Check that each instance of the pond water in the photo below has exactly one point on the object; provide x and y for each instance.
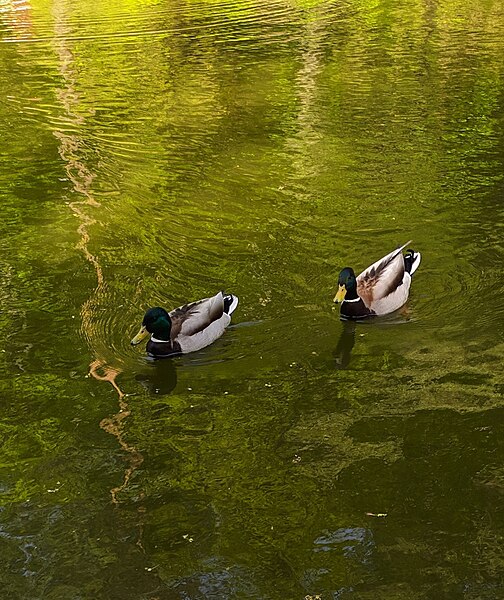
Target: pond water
(153, 152)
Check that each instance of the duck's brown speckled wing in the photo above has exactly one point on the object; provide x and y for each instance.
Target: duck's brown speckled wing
(384, 286)
(193, 318)
(199, 324)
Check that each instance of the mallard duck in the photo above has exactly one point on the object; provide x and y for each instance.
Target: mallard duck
(188, 328)
(379, 290)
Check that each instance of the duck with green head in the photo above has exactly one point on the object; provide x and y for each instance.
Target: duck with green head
(187, 328)
(380, 289)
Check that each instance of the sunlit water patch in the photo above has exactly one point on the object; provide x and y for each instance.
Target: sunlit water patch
(156, 153)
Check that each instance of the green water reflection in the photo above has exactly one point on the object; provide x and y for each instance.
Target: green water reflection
(154, 152)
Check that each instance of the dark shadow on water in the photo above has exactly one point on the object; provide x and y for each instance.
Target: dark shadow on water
(345, 345)
(346, 342)
(159, 377)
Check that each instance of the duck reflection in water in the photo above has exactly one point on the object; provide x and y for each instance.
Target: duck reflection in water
(159, 377)
(345, 345)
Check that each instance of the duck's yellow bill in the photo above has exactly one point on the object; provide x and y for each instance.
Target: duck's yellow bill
(141, 335)
(340, 294)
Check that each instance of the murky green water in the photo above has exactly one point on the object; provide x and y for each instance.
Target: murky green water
(153, 152)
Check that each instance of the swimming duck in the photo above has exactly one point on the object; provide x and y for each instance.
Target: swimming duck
(379, 290)
(187, 328)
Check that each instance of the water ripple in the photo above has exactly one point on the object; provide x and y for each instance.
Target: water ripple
(225, 22)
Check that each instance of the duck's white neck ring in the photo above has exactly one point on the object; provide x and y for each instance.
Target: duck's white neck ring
(153, 339)
(352, 300)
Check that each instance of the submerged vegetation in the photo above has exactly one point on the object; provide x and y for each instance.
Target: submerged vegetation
(153, 153)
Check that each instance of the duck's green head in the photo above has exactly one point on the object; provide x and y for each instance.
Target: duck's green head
(347, 285)
(156, 321)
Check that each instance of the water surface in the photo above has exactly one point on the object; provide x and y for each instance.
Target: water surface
(154, 152)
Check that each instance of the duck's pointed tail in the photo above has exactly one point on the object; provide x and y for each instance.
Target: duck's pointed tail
(230, 303)
(412, 261)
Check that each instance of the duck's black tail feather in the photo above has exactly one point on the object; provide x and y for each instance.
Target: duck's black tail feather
(230, 303)
(412, 261)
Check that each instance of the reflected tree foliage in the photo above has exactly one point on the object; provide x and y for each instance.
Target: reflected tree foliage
(153, 153)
